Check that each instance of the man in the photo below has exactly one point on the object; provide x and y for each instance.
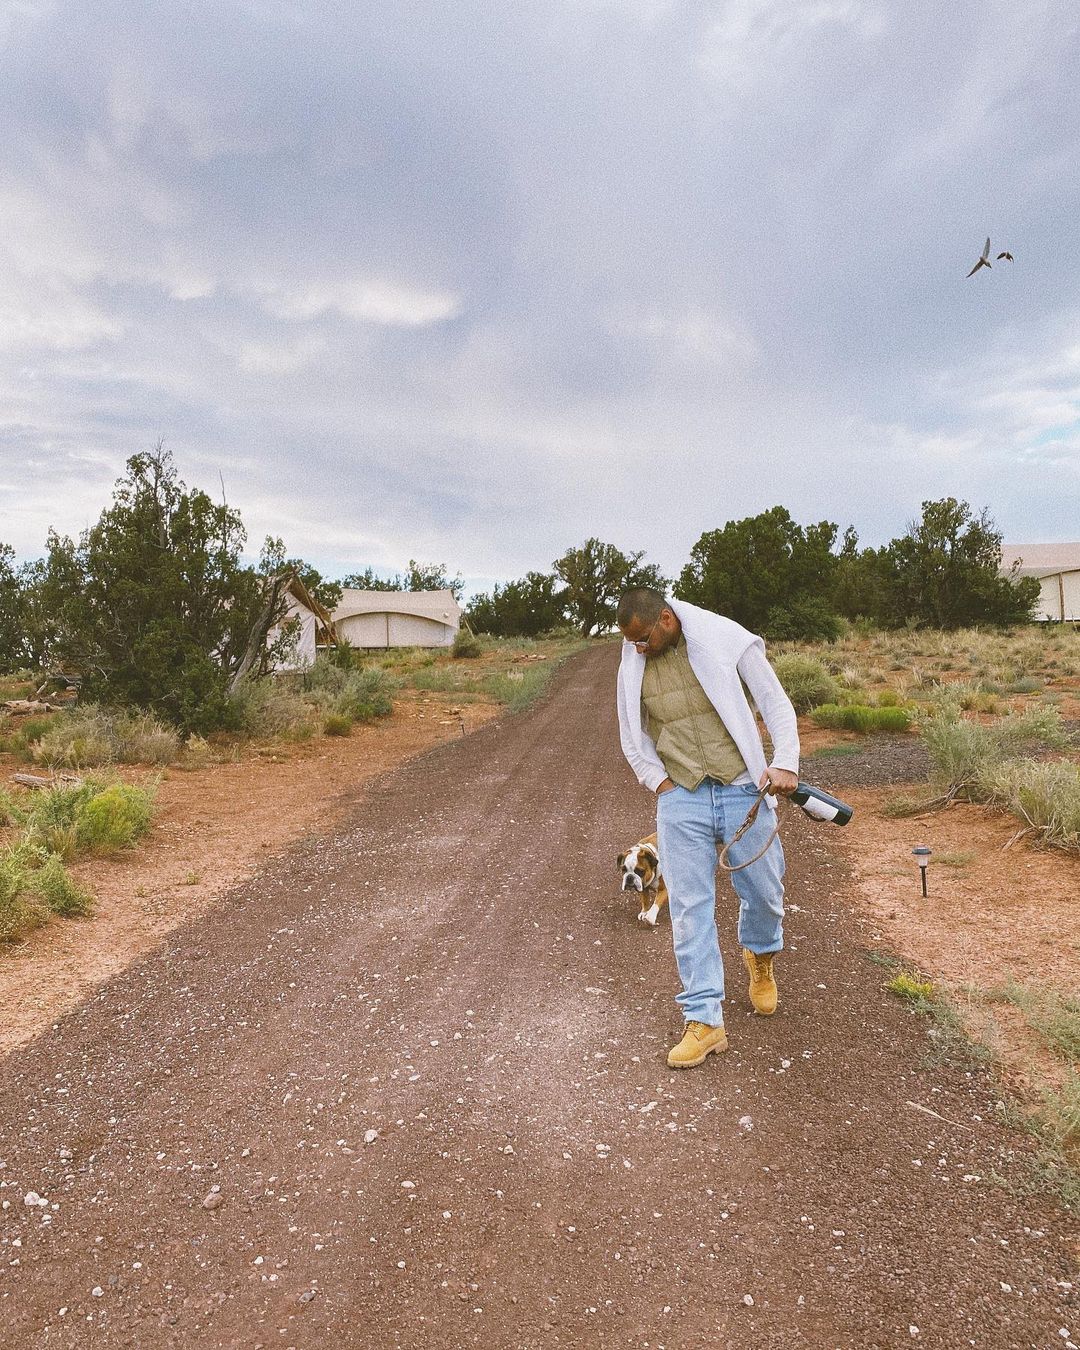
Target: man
(690, 735)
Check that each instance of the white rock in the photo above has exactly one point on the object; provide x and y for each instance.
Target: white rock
(748, 1299)
(746, 1123)
(97, 1291)
(408, 1185)
(370, 1136)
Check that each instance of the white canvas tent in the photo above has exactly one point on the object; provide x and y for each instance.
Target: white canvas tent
(1057, 569)
(314, 628)
(397, 618)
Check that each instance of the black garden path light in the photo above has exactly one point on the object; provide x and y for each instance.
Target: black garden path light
(922, 857)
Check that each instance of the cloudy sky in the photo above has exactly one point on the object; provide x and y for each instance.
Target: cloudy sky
(472, 282)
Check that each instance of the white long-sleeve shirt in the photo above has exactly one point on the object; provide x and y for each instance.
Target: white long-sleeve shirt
(722, 655)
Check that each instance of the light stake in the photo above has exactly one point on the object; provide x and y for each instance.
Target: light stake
(922, 857)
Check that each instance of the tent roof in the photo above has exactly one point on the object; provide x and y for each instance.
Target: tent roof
(1041, 560)
(438, 605)
(303, 596)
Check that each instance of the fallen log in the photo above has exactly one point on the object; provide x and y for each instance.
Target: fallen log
(35, 780)
(21, 707)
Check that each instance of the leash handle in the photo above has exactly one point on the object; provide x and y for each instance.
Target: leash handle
(751, 816)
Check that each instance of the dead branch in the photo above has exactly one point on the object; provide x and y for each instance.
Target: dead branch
(34, 780)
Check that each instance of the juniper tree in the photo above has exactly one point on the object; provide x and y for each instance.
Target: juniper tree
(595, 575)
(521, 608)
(153, 604)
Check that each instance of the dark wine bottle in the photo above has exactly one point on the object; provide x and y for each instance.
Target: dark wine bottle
(819, 805)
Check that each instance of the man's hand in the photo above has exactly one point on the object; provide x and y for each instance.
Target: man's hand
(781, 781)
(665, 786)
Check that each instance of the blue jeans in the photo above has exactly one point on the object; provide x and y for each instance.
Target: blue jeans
(690, 825)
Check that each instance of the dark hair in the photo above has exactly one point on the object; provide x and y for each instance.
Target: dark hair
(642, 603)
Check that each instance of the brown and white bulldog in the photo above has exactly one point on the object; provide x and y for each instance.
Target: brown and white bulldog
(640, 868)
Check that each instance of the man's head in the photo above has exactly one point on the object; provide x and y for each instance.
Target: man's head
(647, 620)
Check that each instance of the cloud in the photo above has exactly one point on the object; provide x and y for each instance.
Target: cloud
(462, 282)
(398, 304)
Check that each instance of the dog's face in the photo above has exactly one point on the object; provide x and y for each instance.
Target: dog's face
(639, 868)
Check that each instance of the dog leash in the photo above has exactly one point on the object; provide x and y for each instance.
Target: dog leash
(751, 816)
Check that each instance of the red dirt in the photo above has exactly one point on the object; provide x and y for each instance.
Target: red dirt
(213, 827)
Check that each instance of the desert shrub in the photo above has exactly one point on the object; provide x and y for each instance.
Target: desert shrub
(52, 822)
(1026, 684)
(141, 739)
(198, 753)
(466, 645)
(342, 654)
(78, 741)
(366, 694)
(114, 818)
(805, 680)
(337, 724)
(326, 675)
(20, 909)
(964, 754)
(89, 736)
(11, 813)
(22, 735)
(859, 717)
(850, 676)
(270, 708)
(1046, 794)
(55, 886)
(888, 698)
(960, 695)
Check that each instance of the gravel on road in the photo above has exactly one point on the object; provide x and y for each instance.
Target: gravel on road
(407, 1088)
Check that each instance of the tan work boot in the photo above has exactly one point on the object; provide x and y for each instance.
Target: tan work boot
(762, 981)
(698, 1042)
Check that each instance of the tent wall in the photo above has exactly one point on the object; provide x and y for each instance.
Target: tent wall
(394, 630)
(1059, 596)
(303, 654)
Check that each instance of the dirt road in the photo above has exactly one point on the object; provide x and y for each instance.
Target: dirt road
(456, 979)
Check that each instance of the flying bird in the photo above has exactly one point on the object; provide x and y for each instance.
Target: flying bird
(1007, 256)
(984, 261)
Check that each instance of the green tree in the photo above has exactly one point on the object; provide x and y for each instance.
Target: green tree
(595, 575)
(52, 590)
(946, 571)
(768, 573)
(368, 581)
(432, 577)
(417, 577)
(13, 653)
(153, 605)
(521, 608)
(863, 583)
